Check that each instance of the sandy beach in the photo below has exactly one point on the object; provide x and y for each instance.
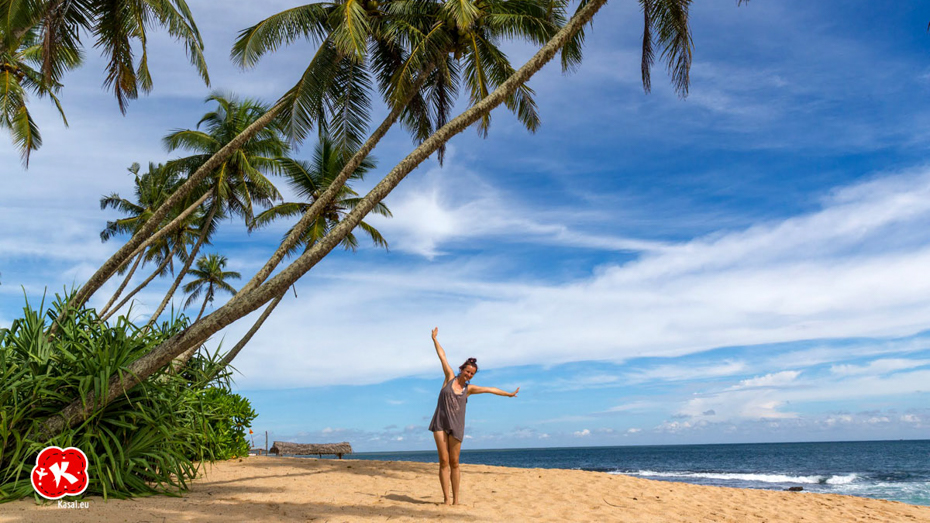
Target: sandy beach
(294, 489)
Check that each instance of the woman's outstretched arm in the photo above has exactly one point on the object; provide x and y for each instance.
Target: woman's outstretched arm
(474, 389)
(446, 368)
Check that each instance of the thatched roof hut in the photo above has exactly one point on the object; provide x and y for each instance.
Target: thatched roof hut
(305, 449)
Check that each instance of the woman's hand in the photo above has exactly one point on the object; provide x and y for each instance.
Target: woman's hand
(435, 332)
(514, 393)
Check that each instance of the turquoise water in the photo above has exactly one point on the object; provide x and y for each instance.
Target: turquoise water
(893, 470)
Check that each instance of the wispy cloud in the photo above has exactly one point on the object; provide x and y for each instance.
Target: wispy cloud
(454, 205)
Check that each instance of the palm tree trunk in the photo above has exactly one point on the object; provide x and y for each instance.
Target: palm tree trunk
(189, 353)
(203, 307)
(105, 272)
(122, 285)
(233, 310)
(231, 355)
(175, 223)
(187, 265)
(142, 285)
(332, 191)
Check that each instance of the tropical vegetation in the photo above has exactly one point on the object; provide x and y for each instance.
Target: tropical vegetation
(152, 439)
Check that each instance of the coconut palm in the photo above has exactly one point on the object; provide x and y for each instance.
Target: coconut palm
(309, 180)
(210, 278)
(39, 42)
(162, 252)
(151, 190)
(416, 51)
(238, 183)
(441, 44)
(333, 91)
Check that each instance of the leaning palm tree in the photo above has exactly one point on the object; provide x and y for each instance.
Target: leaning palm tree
(309, 180)
(239, 183)
(421, 54)
(151, 189)
(333, 92)
(210, 278)
(163, 252)
(418, 52)
(40, 41)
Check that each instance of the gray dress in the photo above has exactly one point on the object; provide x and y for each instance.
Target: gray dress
(450, 412)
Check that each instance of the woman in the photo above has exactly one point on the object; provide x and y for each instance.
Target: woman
(448, 425)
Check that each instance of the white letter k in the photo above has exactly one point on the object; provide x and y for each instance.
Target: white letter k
(59, 472)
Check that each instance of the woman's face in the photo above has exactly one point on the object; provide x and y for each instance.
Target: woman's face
(468, 372)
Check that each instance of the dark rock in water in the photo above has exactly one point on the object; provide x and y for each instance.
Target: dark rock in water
(794, 489)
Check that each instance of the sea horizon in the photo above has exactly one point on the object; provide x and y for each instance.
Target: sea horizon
(502, 449)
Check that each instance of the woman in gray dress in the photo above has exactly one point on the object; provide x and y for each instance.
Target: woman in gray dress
(448, 424)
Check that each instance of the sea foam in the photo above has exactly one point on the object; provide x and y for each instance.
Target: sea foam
(758, 478)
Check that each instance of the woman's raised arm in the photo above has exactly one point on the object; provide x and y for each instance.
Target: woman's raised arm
(446, 368)
(474, 389)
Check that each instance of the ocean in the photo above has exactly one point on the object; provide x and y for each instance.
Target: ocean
(892, 470)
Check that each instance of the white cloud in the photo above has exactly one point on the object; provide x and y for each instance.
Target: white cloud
(777, 379)
(881, 366)
(633, 406)
(453, 204)
(688, 372)
(582, 433)
(674, 426)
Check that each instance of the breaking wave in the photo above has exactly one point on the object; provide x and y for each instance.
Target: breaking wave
(757, 478)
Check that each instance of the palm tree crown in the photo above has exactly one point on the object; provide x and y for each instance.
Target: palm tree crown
(210, 278)
(151, 189)
(421, 53)
(309, 180)
(39, 42)
(239, 183)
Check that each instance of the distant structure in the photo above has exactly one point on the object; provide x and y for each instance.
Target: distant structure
(307, 449)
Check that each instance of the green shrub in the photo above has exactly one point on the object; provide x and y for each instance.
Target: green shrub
(150, 440)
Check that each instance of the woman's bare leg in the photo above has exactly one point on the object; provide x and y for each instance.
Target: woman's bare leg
(455, 447)
(442, 446)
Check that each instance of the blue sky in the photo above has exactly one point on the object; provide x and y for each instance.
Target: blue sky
(746, 265)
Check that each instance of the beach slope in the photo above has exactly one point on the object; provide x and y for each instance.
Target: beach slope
(293, 489)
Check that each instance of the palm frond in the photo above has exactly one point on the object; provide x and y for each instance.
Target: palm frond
(374, 234)
(350, 105)
(306, 21)
(351, 27)
(190, 140)
(282, 210)
(521, 103)
(304, 102)
(25, 133)
(670, 22)
(463, 12)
